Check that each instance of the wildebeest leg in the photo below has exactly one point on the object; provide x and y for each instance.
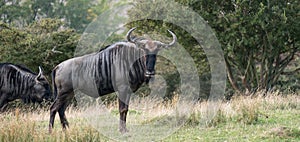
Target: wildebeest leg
(60, 105)
(123, 109)
(53, 110)
(62, 115)
(124, 98)
(64, 102)
(3, 101)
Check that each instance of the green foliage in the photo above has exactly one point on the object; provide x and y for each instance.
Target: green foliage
(145, 9)
(37, 9)
(80, 13)
(33, 45)
(77, 14)
(260, 39)
(11, 12)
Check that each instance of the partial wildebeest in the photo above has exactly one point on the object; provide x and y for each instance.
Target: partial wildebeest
(18, 82)
(122, 67)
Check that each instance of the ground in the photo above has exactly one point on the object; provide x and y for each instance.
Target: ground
(270, 118)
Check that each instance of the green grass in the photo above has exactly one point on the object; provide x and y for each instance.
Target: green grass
(279, 126)
(272, 118)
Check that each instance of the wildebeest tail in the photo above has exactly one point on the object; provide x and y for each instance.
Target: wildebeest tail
(54, 87)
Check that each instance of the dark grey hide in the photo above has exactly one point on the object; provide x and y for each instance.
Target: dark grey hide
(18, 82)
(122, 67)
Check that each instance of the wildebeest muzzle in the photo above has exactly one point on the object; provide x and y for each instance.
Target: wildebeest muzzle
(150, 65)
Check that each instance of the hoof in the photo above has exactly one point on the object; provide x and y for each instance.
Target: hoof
(50, 130)
(123, 130)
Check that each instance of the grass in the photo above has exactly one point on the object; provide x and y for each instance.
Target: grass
(271, 118)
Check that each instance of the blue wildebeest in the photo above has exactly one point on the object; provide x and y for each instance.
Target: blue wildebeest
(122, 67)
(18, 82)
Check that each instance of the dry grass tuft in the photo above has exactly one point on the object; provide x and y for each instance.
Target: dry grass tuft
(17, 125)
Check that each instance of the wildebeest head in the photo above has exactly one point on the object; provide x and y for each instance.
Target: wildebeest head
(41, 88)
(151, 48)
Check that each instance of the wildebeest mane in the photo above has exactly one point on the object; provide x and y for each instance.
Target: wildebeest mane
(103, 48)
(134, 38)
(19, 66)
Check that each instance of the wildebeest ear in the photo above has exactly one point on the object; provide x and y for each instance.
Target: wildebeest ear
(40, 75)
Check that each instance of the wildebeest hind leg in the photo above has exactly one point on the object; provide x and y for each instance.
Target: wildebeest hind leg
(60, 105)
(62, 115)
(53, 110)
(65, 101)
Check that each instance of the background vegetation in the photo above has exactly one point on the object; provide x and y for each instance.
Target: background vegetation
(260, 40)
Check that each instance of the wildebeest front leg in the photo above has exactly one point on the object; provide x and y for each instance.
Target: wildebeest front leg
(123, 109)
(124, 98)
(3, 101)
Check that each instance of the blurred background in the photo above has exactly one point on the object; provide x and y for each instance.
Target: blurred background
(260, 39)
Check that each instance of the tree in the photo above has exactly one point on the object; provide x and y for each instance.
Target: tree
(38, 9)
(80, 13)
(10, 11)
(77, 14)
(45, 43)
(259, 38)
(22, 13)
(145, 10)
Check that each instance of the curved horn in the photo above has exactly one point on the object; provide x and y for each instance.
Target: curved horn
(129, 33)
(40, 73)
(173, 42)
(174, 38)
